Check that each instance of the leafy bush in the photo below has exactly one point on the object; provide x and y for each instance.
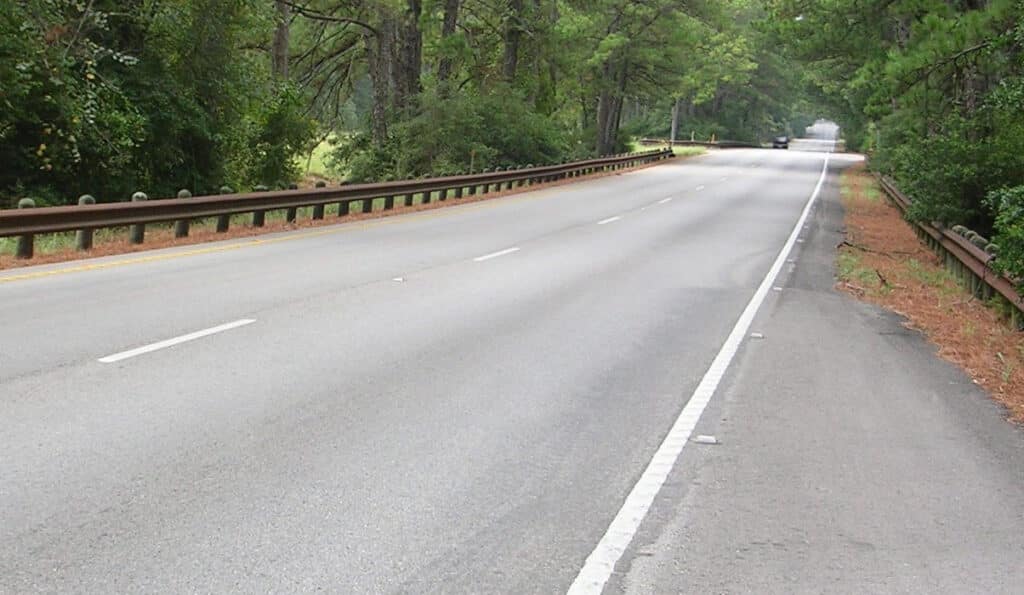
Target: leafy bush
(467, 131)
(266, 140)
(1008, 204)
(949, 172)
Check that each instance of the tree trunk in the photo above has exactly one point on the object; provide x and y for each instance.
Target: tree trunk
(675, 120)
(451, 18)
(279, 51)
(408, 57)
(513, 35)
(609, 108)
(604, 106)
(378, 60)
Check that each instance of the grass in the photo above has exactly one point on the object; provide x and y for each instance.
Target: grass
(851, 269)
(1008, 367)
(316, 162)
(688, 151)
(678, 151)
(937, 278)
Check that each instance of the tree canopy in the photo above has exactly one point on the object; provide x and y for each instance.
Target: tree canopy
(933, 90)
(108, 97)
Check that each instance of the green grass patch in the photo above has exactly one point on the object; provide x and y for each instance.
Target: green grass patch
(850, 269)
(938, 278)
(316, 162)
(688, 151)
(635, 146)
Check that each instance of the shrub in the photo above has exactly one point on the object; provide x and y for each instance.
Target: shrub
(1008, 204)
(468, 131)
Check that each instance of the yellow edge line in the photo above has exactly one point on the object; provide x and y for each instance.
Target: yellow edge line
(335, 228)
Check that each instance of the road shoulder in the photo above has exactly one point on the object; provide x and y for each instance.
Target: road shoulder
(852, 459)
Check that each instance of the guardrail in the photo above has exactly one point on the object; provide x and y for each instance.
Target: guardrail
(27, 221)
(721, 144)
(968, 262)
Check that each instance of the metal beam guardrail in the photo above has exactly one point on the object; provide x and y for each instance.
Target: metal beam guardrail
(26, 222)
(969, 264)
(720, 144)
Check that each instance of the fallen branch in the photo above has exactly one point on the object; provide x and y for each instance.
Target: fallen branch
(866, 249)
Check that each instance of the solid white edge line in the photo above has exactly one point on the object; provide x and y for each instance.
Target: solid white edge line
(600, 564)
(175, 341)
(664, 200)
(495, 254)
(699, 188)
(608, 220)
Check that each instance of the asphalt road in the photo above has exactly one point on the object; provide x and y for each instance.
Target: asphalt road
(461, 400)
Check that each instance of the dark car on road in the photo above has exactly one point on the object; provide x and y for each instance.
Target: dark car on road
(780, 142)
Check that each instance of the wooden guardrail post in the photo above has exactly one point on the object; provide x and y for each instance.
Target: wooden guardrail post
(458, 189)
(259, 218)
(83, 237)
(318, 210)
(426, 197)
(224, 221)
(25, 247)
(486, 186)
(497, 186)
(343, 205)
(137, 232)
(291, 213)
(181, 225)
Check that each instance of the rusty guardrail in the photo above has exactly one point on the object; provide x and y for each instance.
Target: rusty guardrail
(969, 263)
(27, 221)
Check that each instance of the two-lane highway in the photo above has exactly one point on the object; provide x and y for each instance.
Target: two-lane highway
(453, 400)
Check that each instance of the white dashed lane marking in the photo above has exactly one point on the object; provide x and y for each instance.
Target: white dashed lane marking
(175, 341)
(495, 254)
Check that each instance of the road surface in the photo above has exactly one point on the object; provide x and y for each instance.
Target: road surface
(463, 400)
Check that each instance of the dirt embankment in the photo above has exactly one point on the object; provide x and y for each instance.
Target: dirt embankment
(883, 262)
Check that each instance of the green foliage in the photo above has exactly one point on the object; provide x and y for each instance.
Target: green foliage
(1008, 204)
(111, 96)
(107, 97)
(933, 90)
(267, 139)
(470, 131)
(63, 113)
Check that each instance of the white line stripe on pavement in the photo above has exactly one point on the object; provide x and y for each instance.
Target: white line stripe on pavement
(495, 254)
(608, 220)
(699, 188)
(601, 562)
(175, 341)
(664, 200)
